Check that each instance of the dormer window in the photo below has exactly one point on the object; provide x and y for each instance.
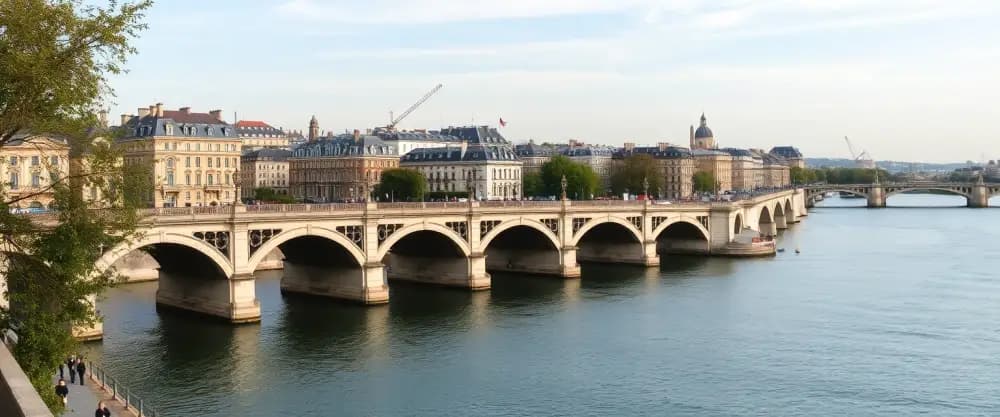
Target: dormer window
(169, 129)
(208, 131)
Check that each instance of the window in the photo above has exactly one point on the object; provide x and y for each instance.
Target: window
(166, 146)
(187, 162)
(170, 164)
(209, 162)
(54, 161)
(218, 163)
(187, 195)
(170, 177)
(187, 179)
(227, 162)
(210, 179)
(36, 180)
(197, 162)
(170, 129)
(197, 179)
(187, 146)
(13, 180)
(13, 161)
(34, 160)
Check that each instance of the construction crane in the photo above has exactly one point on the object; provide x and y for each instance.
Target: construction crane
(395, 121)
(861, 160)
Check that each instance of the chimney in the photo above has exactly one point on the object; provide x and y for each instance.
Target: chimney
(663, 146)
(217, 114)
(125, 118)
(357, 136)
(692, 136)
(185, 110)
(464, 146)
(629, 146)
(159, 109)
(144, 111)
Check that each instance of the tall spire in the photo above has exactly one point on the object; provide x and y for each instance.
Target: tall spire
(704, 121)
(313, 129)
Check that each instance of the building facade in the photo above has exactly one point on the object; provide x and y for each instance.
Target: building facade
(703, 138)
(483, 161)
(717, 163)
(776, 171)
(598, 158)
(339, 168)
(747, 169)
(193, 156)
(255, 134)
(264, 168)
(790, 154)
(676, 164)
(533, 156)
(28, 166)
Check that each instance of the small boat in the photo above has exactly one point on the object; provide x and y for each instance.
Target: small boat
(781, 250)
(796, 251)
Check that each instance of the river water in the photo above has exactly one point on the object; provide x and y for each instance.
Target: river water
(884, 312)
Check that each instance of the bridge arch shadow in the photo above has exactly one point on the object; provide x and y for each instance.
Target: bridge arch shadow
(430, 254)
(610, 240)
(953, 197)
(317, 262)
(524, 247)
(684, 236)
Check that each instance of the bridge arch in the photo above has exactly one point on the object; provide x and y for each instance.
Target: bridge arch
(816, 193)
(578, 236)
(298, 232)
(398, 235)
(738, 224)
(156, 237)
(893, 191)
(684, 219)
(507, 225)
(682, 235)
(790, 209)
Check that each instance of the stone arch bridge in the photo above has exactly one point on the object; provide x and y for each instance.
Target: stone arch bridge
(349, 251)
(976, 194)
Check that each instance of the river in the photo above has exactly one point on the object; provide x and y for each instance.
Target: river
(884, 312)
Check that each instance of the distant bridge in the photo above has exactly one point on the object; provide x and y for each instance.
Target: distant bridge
(208, 255)
(976, 194)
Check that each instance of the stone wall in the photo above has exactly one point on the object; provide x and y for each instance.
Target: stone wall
(17, 397)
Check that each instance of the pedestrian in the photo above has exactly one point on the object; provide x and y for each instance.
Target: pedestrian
(101, 410)
(62, 390)
(61, 366)
(80, 369)
(71, 364)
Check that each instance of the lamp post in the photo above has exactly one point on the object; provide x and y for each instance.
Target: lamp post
(236, 181)
(562, 182)
(645, 187)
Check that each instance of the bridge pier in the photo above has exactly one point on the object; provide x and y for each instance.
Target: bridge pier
(233, 299)
(876, 197)
(92, 332)
(365, 285)
(534, 261)
(463, 272)
(780, 223)
(980, 196)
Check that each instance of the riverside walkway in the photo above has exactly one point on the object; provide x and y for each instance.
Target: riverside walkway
(82, 400)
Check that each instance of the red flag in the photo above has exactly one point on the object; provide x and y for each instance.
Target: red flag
(502, 122)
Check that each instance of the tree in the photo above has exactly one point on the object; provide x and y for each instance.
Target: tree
(581, 180)
(802, 175)
(269, 195)
(704, 182)
(532, 185)
(400, 184)
(55, 57)
(634, 170)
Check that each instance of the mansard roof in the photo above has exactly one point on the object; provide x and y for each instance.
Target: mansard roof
(669, 152)
(181, 123)
(345, 146)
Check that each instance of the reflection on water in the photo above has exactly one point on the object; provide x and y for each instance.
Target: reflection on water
(884, 312)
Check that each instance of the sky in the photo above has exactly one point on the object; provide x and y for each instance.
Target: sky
(912, 80)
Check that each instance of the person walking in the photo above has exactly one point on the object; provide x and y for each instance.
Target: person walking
(71, 364)
(62, 390)
(101, 410)
(61, 367)
(80, 369)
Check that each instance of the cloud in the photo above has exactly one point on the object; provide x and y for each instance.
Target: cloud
(440, 11)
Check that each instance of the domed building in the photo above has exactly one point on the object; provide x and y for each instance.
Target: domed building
(703, 137)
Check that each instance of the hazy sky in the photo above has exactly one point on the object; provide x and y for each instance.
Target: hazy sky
(905, 79)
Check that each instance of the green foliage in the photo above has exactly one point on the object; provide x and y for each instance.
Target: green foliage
(400, 184)
(703, 182)
(629, 176)
(55, 57)
(532, 185)
(269, 195)
(581, 181)
(802, 175)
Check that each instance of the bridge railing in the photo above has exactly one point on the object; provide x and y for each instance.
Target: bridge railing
(520, 203)
(136, 405)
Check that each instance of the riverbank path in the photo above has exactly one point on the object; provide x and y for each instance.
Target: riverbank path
(83, 399)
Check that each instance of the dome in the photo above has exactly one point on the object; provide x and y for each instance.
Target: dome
(703, 132)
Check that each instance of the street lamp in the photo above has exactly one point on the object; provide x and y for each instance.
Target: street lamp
(645, 187)
(563, 184)
(236, 182)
